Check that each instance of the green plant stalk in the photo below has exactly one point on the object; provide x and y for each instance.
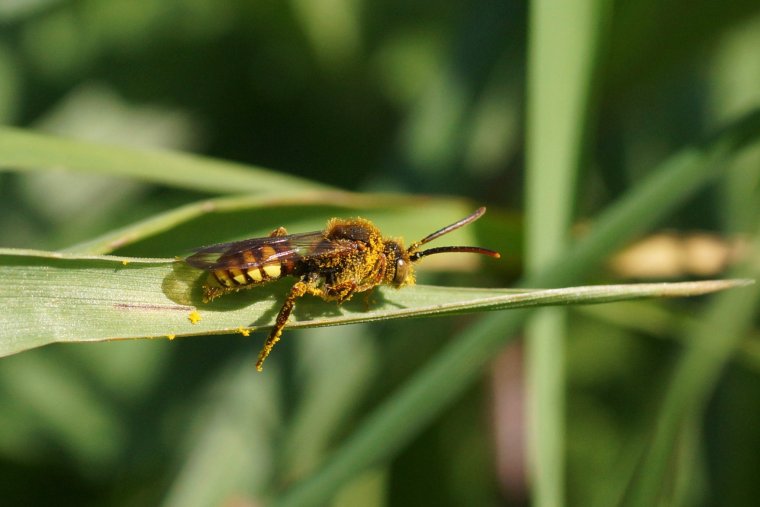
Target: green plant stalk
(453, 370)
(562, 61)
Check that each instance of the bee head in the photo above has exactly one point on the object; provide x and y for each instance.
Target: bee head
(399, 271)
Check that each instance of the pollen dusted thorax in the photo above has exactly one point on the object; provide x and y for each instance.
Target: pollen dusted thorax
(368, 264)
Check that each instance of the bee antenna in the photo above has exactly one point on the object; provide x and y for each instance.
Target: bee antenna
(437, 234)
(414, 257)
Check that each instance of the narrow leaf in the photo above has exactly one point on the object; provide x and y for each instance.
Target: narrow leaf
(23, 150)
(49, 297)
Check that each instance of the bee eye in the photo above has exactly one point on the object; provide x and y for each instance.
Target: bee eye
(402, 270)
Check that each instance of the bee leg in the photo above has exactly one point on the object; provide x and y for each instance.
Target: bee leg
(341, 292)
(298, 290)
(280, 231)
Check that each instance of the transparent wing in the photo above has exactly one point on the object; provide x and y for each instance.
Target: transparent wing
(292, 246)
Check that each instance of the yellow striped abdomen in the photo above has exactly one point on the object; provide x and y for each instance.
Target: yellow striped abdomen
(235, 277)
(247, 269)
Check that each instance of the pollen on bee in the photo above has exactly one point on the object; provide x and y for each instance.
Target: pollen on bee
(194, 317)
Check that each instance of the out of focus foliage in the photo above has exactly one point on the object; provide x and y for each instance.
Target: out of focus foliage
(397, 96)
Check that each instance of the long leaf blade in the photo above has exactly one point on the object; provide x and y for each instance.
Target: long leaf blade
(28, 151)
(49, 297)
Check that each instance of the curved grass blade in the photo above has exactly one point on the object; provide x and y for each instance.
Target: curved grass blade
(27, 151)
(299, 203)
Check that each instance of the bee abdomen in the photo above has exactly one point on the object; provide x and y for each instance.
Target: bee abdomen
(255, 266)
(232, 277)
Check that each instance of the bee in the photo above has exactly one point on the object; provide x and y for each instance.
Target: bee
(349, 256)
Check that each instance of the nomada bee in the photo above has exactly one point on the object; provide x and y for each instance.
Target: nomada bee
(349, 256)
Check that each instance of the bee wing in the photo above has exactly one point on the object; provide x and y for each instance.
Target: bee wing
(303, 245)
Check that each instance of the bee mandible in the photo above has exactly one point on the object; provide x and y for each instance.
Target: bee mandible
(348, 257)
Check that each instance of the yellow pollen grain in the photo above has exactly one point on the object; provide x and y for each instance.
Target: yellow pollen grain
(194, 317)
(273, 270)
(125, 262)
(171, 336)
(244, 331)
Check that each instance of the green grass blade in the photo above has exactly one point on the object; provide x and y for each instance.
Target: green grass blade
(27, 151)
(670, 184)
(728, 320)
(459, 364)
(53, 298)
(709, 348)
(652, 319)
(430, 212)
(563, 49)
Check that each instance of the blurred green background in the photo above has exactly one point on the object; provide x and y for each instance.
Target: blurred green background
(394, 96)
